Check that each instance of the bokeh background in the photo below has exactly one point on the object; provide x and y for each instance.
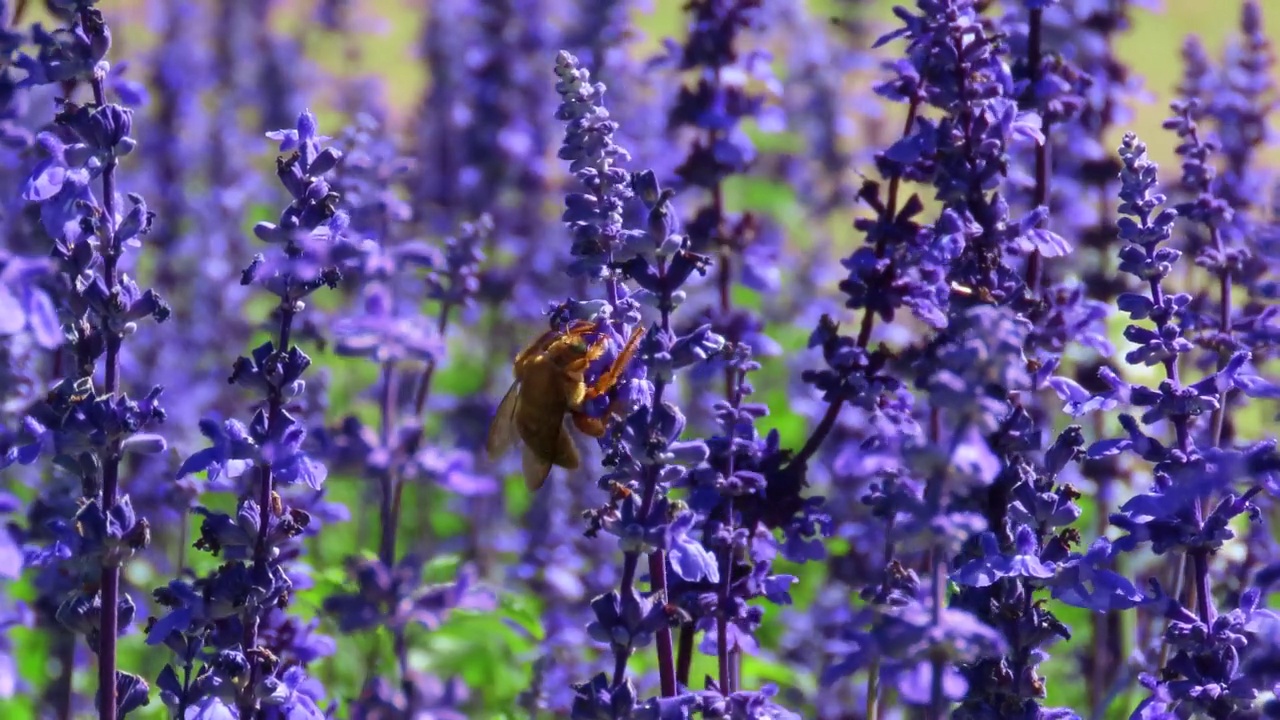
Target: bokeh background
(255, 65)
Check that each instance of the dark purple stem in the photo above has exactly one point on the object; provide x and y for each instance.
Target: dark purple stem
(401, 646)
(389, 509)
(419, 405)
(732, 391)
(658, 582)
(1041, 198)
(657, 558)
(181, 710)
(727, 681)
(728, 678)
(424, 385)
(1224, 327)
(108, 620)
(390, 484)
(261, 549)
(828, 420)
(1102, 636)
(60, 690)
(684, 654)
(937, 557)
(933, 499)
(1201, 558)
(1183, 434)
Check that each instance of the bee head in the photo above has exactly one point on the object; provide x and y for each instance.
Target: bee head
(578, 346)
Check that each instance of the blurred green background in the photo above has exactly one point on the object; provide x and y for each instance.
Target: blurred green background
(479, 647)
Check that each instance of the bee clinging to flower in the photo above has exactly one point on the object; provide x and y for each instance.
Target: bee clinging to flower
(550, 382)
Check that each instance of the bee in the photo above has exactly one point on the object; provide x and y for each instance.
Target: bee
(550, 382)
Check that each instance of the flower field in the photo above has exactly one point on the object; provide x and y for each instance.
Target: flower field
(639, 360)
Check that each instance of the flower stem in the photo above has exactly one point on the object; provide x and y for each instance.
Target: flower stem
(728, 678)
(1034, 60)
(390, 484)
(657, 558)
(266, 490)
(389, 510)
(937, 556)
(684, 654)
(937, 571)
(424, 384)
(727, 682)
(108, 629)
(828, 421)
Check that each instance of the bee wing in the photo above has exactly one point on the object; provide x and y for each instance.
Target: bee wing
(502, 431)
(536, 468)
(566, 450)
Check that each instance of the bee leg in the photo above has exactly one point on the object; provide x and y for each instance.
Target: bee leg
(576, 390)
(594, 352)
(579, 327)
(610, 376)
(589, 425)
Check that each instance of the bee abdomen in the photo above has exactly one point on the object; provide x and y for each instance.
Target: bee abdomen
(539, 430)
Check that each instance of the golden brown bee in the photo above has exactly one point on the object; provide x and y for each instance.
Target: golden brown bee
(550, 382)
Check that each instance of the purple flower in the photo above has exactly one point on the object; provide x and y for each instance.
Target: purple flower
(396, 597)
(1086, 581)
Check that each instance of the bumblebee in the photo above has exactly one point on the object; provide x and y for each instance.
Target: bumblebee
(550, 382)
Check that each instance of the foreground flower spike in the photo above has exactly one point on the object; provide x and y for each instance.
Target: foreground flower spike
(1197, 489)
(85, 428)
(727, 87)
(599, 249)
(234, 610)
(920, 402)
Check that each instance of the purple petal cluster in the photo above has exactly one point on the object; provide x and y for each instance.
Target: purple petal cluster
(233, 646)
(84, 427)
(917, 385)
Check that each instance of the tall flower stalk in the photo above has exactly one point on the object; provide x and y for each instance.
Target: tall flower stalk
(603, 249)
(918, 550)
(1193, 498)
(89, 428)
(235, 610)
(396, 452)
(711, 110)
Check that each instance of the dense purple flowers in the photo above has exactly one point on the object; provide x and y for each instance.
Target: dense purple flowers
(936, 395)
(225, 628)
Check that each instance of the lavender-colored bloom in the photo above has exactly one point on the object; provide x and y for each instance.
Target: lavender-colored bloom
(230, 609)
(1085, 581)
(913, 553)
(595, 217)
(394, 597)
(89, 430)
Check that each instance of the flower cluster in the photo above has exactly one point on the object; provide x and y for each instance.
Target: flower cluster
(234, 646)
(854, 371)
(85, 428)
